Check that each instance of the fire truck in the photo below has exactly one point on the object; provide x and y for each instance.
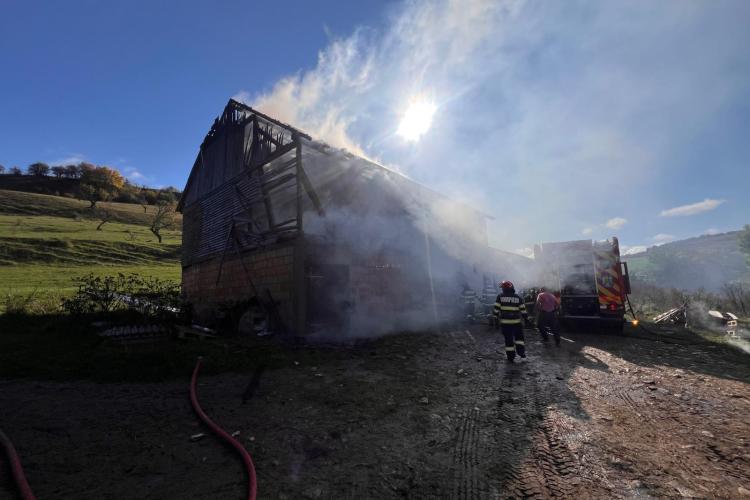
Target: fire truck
(592, 281)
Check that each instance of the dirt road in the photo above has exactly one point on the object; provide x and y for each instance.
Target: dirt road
(418, 416)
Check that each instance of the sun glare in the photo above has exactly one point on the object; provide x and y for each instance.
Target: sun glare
(417, 119)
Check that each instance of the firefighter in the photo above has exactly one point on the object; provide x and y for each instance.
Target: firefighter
(509, 308)
(546, 307)
(469, 297)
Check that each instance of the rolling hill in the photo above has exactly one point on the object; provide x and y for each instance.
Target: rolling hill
(45, 241)
(707, 261)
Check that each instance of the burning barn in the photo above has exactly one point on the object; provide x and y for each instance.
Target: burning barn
(309, 238)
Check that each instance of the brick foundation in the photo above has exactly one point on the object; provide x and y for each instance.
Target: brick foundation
(270, 268)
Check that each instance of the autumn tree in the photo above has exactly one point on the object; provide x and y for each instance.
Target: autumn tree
(58, 171)
(99, 183)
(39, 169)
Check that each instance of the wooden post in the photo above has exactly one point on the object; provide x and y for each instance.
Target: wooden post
(300, 282)
(299, 183)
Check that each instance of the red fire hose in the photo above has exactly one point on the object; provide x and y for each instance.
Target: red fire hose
(16, 468)
(252, 486)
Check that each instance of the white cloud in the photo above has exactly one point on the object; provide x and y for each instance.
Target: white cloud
(712, 231)
(615, 223)
(134, 175)
(694, 208)
(662, 238)
(587, 231)
(628, 250)
(73, 159)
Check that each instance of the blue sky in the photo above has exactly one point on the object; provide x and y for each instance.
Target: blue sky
(563, 119)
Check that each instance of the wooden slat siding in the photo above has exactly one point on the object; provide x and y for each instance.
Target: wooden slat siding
(249, 188)
(218, 211)
(207, 222)
(233, 148)
(262, 138)
(245, 178)
(191, 227)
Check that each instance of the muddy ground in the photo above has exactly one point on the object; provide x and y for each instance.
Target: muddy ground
(415, 416)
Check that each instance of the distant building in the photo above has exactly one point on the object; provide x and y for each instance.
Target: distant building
(315, 239)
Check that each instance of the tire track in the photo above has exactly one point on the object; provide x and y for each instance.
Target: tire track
(466, 482)
(638, 409)
(548, 468)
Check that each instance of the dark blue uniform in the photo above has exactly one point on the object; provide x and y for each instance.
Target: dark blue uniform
(510, 309)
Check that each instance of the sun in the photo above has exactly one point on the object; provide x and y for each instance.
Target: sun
(417, 119)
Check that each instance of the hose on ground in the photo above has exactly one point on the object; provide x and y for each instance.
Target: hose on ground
(16, 468)
(252, 485)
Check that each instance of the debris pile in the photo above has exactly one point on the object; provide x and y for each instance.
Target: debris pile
(727, 319)
(134, 334)
(675, 315)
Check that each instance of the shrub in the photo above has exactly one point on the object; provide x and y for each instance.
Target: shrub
(152, 297)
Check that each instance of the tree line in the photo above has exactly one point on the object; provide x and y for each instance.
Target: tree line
(41, 169)
(99, 183)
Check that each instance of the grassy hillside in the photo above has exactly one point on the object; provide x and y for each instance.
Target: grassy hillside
(47, 240)
(707, 261)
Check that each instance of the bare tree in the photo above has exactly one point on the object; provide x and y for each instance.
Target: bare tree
(162, 218)
(15, 170)
(737, 297)
(104, 216)
(143, 199)
(2, 169)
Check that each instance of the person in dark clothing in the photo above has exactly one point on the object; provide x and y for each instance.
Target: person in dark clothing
(509, 309)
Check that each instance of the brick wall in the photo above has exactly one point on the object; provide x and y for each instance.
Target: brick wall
(271, 268)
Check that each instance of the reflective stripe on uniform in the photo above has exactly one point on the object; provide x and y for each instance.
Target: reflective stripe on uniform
(520, 342)
(509, 308)
(510, 321)
(510, 349)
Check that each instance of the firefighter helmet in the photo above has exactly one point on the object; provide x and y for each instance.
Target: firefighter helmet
(506, 285)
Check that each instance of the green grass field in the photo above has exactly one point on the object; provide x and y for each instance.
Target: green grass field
(46, 241)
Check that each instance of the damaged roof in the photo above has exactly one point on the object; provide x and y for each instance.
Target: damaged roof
(238, 113)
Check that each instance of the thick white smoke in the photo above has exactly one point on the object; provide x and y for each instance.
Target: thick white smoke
(562, 112)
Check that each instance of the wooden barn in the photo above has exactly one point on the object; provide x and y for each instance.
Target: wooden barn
(304, 238)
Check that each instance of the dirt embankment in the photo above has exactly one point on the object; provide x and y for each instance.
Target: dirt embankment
(418, 416)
